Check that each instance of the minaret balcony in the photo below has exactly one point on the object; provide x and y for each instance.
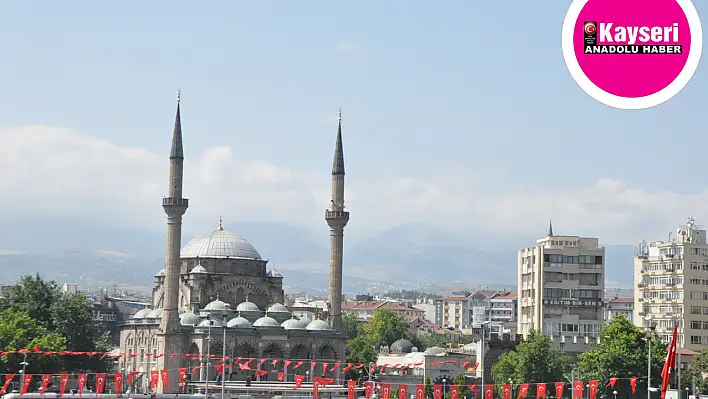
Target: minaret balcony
(339, 214)
(170, 201)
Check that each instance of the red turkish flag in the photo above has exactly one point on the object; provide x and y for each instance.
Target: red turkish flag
(351, 389)
(182, 371)
(154, 378)
(63, 380)
(118, 380)
(82, 383)
(612, 382)
(506, 388)
(633, 383)
(281, 376)
(402, 391)
(131, 375)
(100, 382)
(593, 388)
(315, 389)
(474, 390)
(298, 381)
(437, 391)
(540, 391)
(45, 383)
(8, 381)
(385, 391)
(454, 392)
(420, 391)
(26, 381)
(368, 388)
(165, 379)
(578, 389)
(523, 390)
(489, 391)
(560, 387)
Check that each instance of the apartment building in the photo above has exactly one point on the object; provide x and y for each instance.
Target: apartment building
(561, 281)
(364, 311)
(619, 305)
(671, 286)
(467, 311)
(453, 311)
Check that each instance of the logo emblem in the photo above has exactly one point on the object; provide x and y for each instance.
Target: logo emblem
(628, 59)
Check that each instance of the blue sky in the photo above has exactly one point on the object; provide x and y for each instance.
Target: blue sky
(426, 88)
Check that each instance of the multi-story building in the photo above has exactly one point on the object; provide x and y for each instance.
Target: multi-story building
(671, 286)
(365, 310)
(619, 305)
(468, 311)
(561, 282)
(502, 314)
(453, 311)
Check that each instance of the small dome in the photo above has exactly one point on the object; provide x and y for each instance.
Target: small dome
(161, 273)
(140, 314)
(199, 269)
(274, 273)
(292, 324)
(402, 346)
(266, 321)
(434, 350)
(318, 325)
(154, 314)
(239, 322)
(217, 305)
(189, 319)
(304, 321)
(214, 323)
(247, 307)
(277, 308)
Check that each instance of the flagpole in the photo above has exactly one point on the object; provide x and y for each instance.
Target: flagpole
(678, 356)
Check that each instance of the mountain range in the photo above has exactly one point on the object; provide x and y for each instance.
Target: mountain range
(412, 256)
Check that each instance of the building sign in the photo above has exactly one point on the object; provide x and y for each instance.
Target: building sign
(573, 302)
(478, 313)
(105, 317)
(242, 283)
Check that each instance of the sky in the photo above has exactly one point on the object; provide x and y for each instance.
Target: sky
(458, 114)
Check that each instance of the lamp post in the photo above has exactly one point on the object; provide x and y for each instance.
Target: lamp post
(649, 334)
(615, 393)
(223, 357)
(444, 381)
(24, 364)
(481, 356)
(208, 355)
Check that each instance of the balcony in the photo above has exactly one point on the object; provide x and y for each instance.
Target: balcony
(641, 285)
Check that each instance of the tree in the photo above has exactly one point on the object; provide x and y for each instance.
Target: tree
(429, 340)
(622, 352)
(386, 327)
(351, 325)
(33, 296)
(699, 370)
(460, 380)
(20, 331)
(428, 387)
(533, 360)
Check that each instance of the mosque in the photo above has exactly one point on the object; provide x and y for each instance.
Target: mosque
(215, 296)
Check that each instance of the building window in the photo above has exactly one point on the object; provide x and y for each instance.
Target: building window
(696, 325)
(695, 340)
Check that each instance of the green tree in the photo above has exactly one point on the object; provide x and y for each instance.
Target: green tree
(20, 331)
(460, 380)
(33, 296)
(428, 386)
(429, 340)
(533, 360)
(622, 351)
(351, 325)
(699, 369)
(386, 327)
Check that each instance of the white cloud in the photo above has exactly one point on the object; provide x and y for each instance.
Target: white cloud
(57, 170)
(347, 47)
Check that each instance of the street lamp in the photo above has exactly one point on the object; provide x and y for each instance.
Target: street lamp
(615, 393)
(444, 381)
(223, 357)
(648, 334)
(208, 356)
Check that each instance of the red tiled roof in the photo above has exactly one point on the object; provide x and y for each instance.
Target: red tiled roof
(453, 298)
(506, 295)
(623, 300)
(379, 305)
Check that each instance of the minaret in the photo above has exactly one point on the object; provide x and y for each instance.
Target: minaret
(174, 206)
(550, 228)
(336, 218)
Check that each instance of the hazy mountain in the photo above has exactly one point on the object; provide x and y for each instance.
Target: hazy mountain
(413, 256)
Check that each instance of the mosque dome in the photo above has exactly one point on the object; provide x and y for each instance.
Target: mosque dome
(277, 308)
(266, 321)
(214, 323)
(247, 307)
(199, 269)
(219, 244)
(140, 314)
(402, 346)
(154, 314)
(216, 305)
(189, 319)
(318, 325)
(161, 273)
(292, 324)
(239, 322)
(304, 321)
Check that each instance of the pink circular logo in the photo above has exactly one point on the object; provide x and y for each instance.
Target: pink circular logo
(632, 54)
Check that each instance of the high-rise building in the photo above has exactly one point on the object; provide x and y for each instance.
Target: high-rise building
(561, 281)
(671, 286)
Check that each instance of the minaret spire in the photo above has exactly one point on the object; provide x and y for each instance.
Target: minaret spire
(337, 218)
(177, 151)
(550, 228)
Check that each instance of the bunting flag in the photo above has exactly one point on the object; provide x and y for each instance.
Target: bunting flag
(420, 391)
(669, 364)
(324, 368)
(351, 389)
(489, 391)
(593, 388)
(298, 381)
(45, 383)
(540, 391)
(182, 371)
(118, 379)
(26, 381)
(281, 377)
(385, 391)
(165, 379)
(298, 365)
(154, 379)
(454, 392)
(131, 375)
(63, 380)
(633, 383)
(523, 390)
(8, 381)
(82, 383)
(402, 391)
(474, 390)
(437, 391)
(560, 387)
(315, 389)
(368, 388)
(613, 381)
(578, 389)
(506, 388)
(219, 369)
(100, 383)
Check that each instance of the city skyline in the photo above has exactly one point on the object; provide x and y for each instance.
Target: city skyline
(441, 127)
